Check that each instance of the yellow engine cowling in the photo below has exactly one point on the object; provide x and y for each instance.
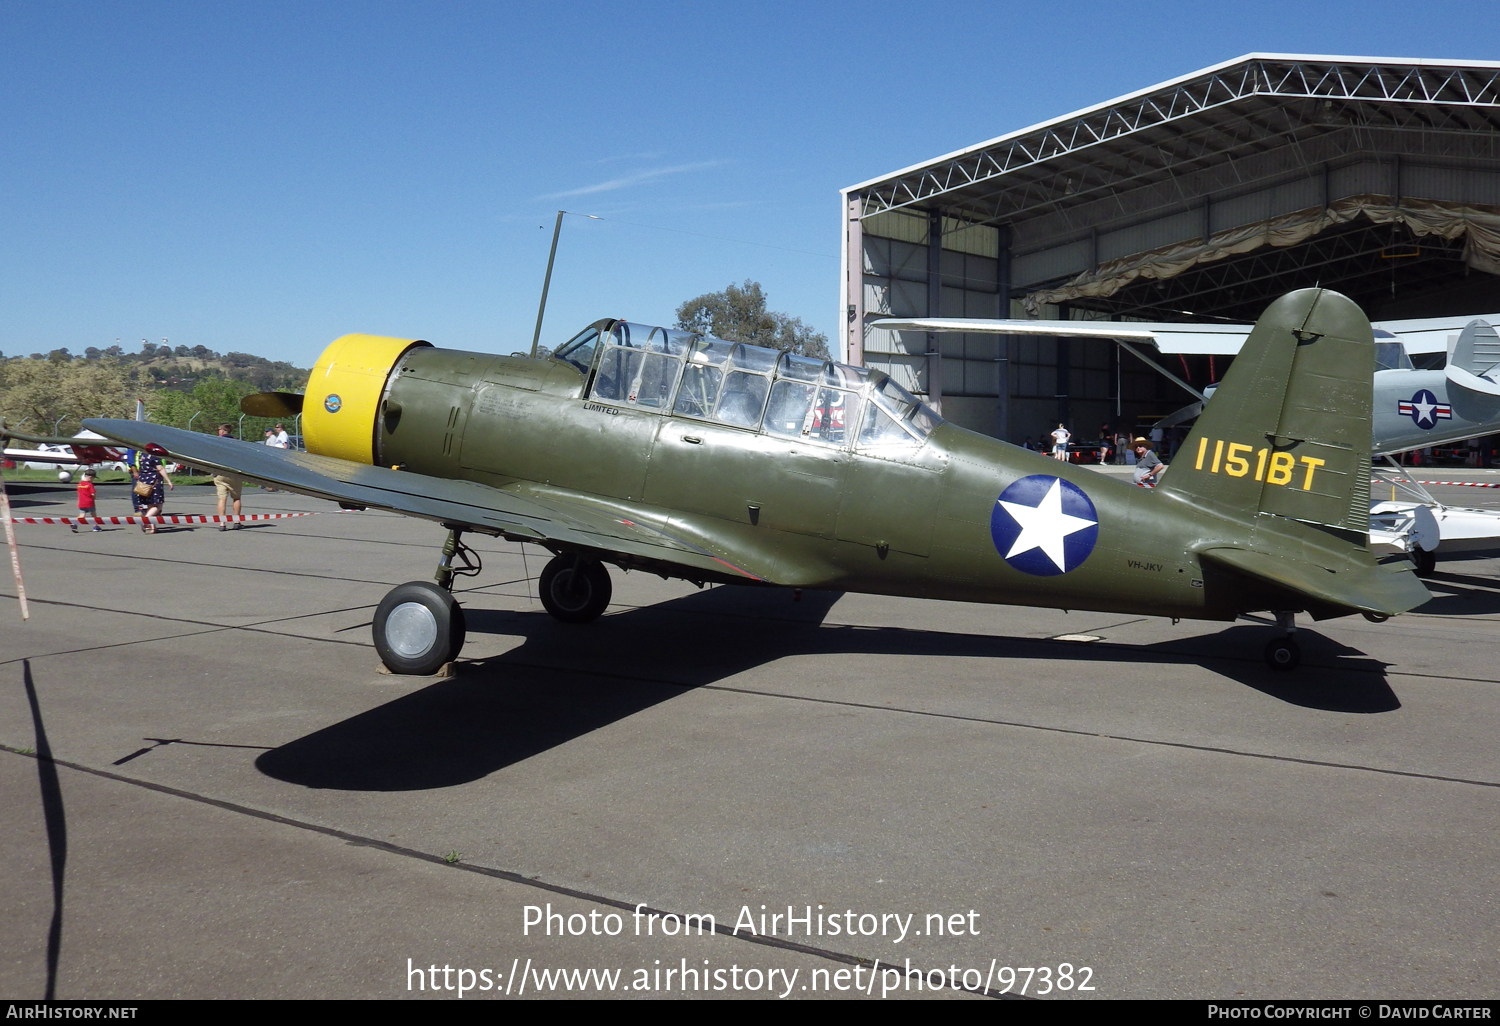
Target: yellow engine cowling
(339, 415)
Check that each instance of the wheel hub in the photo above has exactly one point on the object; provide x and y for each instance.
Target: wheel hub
(411, 630)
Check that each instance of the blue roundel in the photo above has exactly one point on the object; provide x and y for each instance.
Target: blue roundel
(1044, 526)
(1425, 409)
(332, 403)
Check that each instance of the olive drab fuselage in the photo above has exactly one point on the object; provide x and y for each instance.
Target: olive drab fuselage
(917, 522)
(713, 461)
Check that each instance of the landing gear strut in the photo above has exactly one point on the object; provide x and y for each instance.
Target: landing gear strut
(1284, 653)
(574, 588)
(418, 625)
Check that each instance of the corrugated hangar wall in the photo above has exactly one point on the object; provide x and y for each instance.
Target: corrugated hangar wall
(1197, 199)
(897, 253)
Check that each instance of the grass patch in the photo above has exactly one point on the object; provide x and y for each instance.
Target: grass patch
(453, 856)
(101, 477)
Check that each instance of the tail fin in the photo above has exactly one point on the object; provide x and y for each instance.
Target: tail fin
(1288, 430)
(1474, 357)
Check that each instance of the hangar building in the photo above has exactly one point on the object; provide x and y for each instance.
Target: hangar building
(1199, 199)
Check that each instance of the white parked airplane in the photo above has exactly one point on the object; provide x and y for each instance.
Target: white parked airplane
(87, 452)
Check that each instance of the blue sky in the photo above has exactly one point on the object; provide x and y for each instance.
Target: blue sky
(267, 176)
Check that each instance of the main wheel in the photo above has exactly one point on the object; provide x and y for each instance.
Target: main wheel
(418, 627)
(575, 589)
(1426, 562)
(1283, 654)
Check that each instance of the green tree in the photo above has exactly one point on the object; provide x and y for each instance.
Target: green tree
(739, 314)
(42, 391)
(216, 399)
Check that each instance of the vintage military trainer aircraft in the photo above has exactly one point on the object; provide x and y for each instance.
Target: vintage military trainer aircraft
(695, 458)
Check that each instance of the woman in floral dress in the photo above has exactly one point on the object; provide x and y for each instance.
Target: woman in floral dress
(149, 470)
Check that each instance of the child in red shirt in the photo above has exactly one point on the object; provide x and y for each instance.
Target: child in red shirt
(86, 501)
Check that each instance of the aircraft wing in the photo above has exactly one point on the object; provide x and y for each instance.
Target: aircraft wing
(550, 517)
(1420, 335)
(1203, 339)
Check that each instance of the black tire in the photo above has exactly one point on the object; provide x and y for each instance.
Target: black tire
(1426, 562)
(418, 627)
(575, 589)
(1283, 654)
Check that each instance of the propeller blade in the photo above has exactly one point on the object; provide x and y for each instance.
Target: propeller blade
(272, 404)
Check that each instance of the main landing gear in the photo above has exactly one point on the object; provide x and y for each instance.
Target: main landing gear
(419, 626)
(1284, 653)
(574, 588)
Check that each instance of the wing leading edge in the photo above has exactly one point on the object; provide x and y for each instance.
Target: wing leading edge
(554, 518)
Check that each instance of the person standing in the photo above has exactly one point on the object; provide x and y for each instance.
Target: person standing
(87, 503)
(228, 487)
(1148, 466)
(279, 438)
(1060, 443)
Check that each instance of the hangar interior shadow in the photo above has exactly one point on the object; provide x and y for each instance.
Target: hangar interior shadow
(564, 681)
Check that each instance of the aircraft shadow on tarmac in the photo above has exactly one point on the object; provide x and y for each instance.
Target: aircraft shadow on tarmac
(25, 495)
(564, 681)
(1457, 594)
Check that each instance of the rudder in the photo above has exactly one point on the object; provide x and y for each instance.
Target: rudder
(1288, 431)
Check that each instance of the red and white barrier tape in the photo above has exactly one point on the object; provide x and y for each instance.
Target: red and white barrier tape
(1464, 484)
(175, 519)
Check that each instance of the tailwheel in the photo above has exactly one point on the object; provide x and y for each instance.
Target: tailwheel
(418, 627)
(1283, 654)
(575, 589)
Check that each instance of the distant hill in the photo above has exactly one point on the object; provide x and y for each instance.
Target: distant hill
(59, 389)
(183, 366)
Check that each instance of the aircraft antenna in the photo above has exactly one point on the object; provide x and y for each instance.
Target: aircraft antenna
(546, 283)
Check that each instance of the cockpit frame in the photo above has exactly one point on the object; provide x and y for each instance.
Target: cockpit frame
(667, 372)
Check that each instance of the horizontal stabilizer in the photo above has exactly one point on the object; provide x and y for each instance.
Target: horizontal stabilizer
(1382, 589)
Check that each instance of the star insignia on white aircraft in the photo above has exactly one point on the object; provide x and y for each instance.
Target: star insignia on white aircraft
(1043, 525)
(1424, 409)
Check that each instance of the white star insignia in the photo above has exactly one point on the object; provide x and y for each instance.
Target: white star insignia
(1044, 526)
(1424, 411)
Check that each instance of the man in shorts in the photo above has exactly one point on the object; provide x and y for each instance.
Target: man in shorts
(227, 487)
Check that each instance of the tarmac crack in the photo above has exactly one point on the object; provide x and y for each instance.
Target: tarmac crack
(203, 565)
(211, 628)
(438, 860)
(962, 718)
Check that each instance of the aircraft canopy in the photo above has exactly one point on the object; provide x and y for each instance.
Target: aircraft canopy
(685, 374)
